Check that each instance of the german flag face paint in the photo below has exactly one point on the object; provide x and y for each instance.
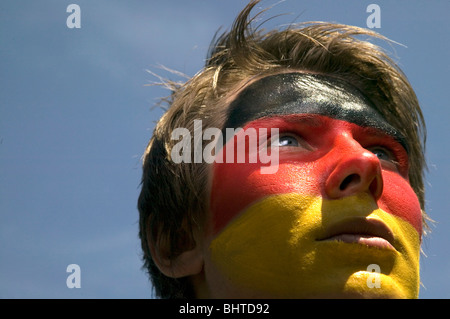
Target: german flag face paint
(337, 219)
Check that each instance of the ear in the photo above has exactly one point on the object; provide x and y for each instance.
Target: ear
(186, 259)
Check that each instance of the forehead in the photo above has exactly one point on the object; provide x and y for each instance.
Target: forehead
(300, 93)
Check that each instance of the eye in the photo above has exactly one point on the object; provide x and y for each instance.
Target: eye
(383, 154)
(286, 140)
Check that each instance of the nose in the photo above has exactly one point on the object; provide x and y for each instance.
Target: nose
(358, 170)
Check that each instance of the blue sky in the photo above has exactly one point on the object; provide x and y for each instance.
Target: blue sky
(76, 114)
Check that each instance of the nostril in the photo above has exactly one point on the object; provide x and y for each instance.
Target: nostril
(376, 187)
(350, 179)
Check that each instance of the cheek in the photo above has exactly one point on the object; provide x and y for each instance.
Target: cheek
(399, 199)
(236, 186)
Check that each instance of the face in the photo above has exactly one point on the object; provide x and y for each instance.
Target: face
(337, 218)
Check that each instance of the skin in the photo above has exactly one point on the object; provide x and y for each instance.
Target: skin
(339, 201)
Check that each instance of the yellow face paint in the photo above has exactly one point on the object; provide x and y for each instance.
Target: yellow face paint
(271, 249)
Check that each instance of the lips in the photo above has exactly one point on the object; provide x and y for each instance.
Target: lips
(366, 231)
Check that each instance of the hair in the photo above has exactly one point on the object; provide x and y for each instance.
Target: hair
(174, 197)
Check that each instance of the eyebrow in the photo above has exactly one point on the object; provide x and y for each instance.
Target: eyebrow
(305, 119)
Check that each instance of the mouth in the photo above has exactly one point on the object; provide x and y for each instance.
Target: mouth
(365, 231)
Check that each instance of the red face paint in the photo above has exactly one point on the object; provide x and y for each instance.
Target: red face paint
(324, 147)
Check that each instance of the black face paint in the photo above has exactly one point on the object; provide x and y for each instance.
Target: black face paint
(299, 93)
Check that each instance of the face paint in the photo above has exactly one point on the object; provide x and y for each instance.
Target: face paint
(266, 229)
(272, 250)
(331, 142)
(298, 93)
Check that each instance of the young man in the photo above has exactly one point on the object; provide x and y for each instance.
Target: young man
(338, 212)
